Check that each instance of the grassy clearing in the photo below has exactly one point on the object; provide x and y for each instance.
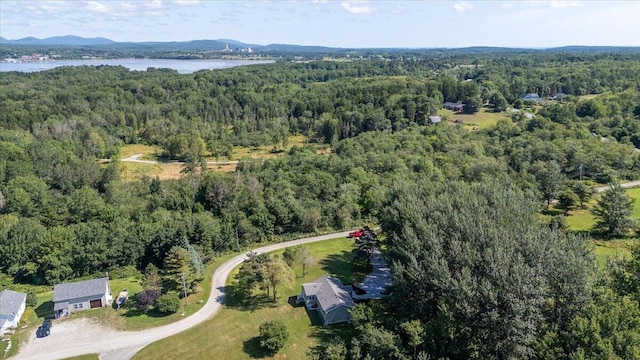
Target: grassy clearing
(612, 249)
(131, 171)
(582, 220)
(480, 120)
(604, 250)
(234, 330)
(148, 152)
(265, 151)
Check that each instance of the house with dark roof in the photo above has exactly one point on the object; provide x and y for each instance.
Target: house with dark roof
(531, 97)
(330, 298)
(81, 295)
(12, 305)
(453, 106)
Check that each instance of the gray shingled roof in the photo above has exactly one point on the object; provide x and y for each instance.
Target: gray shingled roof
(74, 290)
(330, 293)
(434, 119)
(10, 302)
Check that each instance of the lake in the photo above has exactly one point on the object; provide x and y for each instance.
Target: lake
(182, 66)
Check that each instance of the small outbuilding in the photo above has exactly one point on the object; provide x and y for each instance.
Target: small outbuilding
(12, 306)
(81, 295)
(330, 298)
(434, 119)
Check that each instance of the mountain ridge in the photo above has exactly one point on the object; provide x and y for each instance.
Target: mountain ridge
(220, 44)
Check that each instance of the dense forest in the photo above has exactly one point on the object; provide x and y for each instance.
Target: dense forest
(477, 269)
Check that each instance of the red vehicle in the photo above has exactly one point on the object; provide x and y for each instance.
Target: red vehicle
(356, 234)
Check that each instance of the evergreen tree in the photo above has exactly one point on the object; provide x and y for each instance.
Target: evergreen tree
(614, 211)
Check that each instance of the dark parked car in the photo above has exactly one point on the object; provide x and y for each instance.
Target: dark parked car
(44, 329)
(43, 332)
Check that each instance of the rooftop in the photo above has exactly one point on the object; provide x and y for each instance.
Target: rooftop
(62, 292)
(329, 291)
(10, 302)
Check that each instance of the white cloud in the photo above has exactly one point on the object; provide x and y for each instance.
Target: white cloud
(128, 7)
(564, 4)
(155, 4)
(357, 7)
(97, 7)
(463, 6)
(187, 2)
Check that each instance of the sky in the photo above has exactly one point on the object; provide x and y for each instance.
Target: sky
(334, 23)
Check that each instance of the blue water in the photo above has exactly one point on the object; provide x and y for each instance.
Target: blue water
(182, 66)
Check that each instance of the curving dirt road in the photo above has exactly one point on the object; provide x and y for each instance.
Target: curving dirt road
(136, 159)
(629, 184)
(82, 336)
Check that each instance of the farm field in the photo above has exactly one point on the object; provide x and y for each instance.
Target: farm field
(234, 330)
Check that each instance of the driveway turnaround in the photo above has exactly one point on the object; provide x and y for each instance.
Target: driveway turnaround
(82, 336)
(380, 278)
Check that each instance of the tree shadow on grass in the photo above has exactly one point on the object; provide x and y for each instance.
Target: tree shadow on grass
(252, 348)
(132, 312)
(45, 310)
(325, 334)
(345, 266)
(240, 300)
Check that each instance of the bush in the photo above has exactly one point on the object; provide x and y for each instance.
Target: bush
(273, 335)
(27, 315)
(147, 298)
(32, 299)
(168, 303)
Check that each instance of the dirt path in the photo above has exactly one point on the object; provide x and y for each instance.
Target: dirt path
(629, 184)
(82, 336)
(136, 159)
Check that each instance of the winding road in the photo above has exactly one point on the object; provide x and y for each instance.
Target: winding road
(112, 344)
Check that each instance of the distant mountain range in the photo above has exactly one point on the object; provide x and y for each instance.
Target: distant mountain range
(193, 45)
(221, 44)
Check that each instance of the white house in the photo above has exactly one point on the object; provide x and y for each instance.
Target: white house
(330, 298)
(81, 295)
(12, 305)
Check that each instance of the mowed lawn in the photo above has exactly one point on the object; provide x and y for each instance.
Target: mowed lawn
(233, 332)
(480, 120)
(582, 220)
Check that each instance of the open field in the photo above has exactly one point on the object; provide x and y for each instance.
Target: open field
(264, 151)
(148, 152)
(234, 330)
(480, 120)
(134, 171)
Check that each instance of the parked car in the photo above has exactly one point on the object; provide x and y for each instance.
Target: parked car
(356, 234)
(43, 331)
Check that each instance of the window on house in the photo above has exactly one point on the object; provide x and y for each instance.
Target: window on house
(75, 306)
(80, 306)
